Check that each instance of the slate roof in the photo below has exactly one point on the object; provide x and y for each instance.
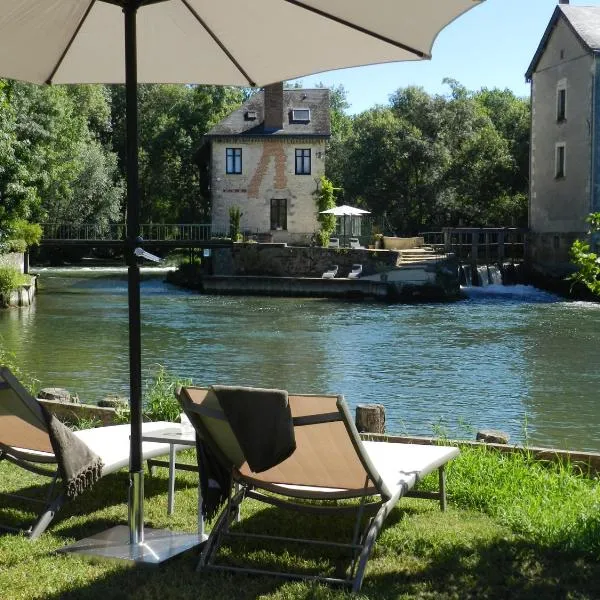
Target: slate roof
(584, 21)
(316, 100)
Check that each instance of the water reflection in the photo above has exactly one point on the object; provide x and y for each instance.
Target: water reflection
(491, 361)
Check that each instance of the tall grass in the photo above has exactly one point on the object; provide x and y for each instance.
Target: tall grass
(552, 504)
(160, 403)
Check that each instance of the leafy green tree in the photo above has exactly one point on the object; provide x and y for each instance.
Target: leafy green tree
(341, 129)
(172, 121)
(19, 197)
(431, 161)
(73, 173)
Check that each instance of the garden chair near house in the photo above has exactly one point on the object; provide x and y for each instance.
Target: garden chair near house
(32, 438)
(355, 271)
(355, 243)
(334, 242)
(330, 273)
(314, 454)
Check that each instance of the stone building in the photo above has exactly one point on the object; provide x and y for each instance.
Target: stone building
(267, 158)
(565, 135)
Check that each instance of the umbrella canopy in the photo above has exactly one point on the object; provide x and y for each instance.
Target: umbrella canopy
(226, 43)
(201, 41)
(345, 210)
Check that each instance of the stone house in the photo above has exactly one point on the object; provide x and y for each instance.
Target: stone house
(565, 136)
(267, 158)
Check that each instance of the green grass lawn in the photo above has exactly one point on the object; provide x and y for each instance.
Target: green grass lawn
(513, 529)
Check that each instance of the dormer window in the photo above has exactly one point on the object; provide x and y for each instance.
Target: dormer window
(251, 115)
(301, 115)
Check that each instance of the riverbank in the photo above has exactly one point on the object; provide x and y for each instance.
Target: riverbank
(513, 530)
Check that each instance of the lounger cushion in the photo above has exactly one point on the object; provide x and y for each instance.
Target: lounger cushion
(403, 465)
(112, 445)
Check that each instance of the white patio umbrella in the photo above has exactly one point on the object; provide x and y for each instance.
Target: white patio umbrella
(346, 212)
(201, 41)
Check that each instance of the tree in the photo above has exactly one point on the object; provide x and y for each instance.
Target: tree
(19, 198)
(173, 119)
(73, 173)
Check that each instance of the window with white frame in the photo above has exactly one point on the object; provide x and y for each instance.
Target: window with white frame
(561, 100)
(302, 161)
(560, 160)
(233, 161)
(301, 115)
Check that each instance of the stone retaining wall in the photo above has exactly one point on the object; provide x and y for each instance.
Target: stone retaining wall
(275, 260)
(73, 411)
(23, 296)
(396, 243)
(295, 286)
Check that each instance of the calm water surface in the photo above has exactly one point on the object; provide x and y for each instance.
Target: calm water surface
(515, 359)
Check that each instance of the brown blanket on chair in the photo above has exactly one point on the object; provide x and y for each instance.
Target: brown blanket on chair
(261, 420)
(78, 466)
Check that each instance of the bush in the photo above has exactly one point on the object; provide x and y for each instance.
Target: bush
(586, 261)
(11, 279)
(235, 217)
(15, 245)
(20, 235)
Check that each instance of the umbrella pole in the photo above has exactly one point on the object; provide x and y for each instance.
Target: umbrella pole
(136, 473)
(120, 542)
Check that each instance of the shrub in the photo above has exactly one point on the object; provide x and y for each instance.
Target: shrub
(15, 245)
(235, 217)
(11, 279)
(325, 200)
(586, 261)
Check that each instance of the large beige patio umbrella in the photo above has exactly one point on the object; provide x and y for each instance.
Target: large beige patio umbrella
(201, 41)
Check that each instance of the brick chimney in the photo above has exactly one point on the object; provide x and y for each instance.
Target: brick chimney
(274, 106)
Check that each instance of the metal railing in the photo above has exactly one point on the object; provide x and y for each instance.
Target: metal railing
(484, 245)
(115, 232)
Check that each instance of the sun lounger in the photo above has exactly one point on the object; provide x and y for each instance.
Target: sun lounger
(355, 271)
(330, 273)
(334, 242)
(25, 441)
(330, 463)
(355, 243)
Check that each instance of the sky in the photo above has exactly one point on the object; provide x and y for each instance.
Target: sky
(490, 46)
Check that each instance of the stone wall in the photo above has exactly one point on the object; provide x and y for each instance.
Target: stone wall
(72, 412)
(13, 259)
(23, 296)
(397, 243)
(561, 204)
(548, 253)
(290, 261)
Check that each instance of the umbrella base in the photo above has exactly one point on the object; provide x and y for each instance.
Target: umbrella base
(159, 545)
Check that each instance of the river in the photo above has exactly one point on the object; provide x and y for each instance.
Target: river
(513, 358)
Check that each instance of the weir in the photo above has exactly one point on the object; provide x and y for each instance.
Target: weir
(508, 273)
